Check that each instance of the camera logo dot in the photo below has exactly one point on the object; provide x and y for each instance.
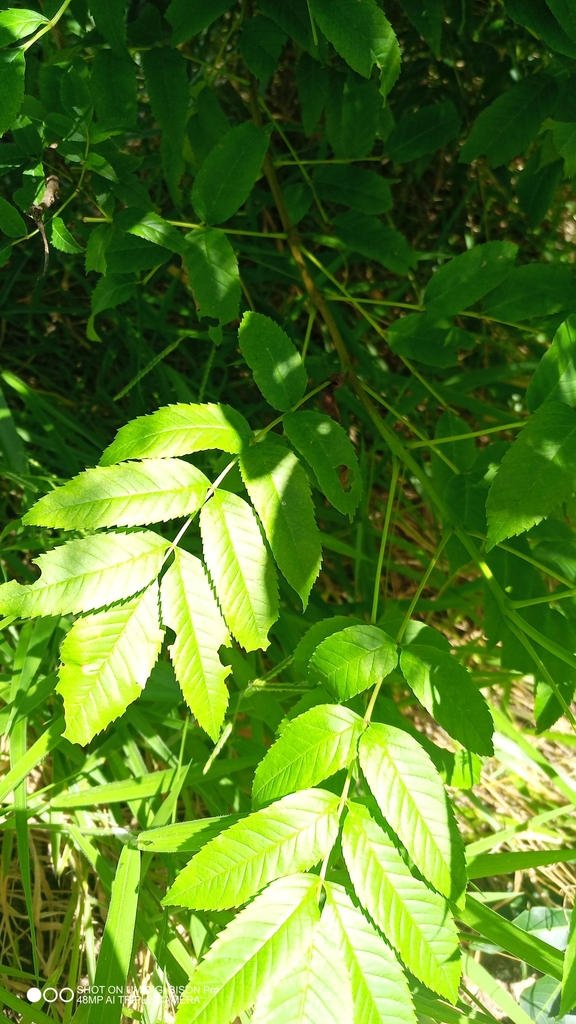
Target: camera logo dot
(34, 995)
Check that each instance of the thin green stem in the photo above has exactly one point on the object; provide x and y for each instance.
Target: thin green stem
(46, 28)
(428, 443)
(384, 538)
(310, 324)
(422, 584)
(463, 437)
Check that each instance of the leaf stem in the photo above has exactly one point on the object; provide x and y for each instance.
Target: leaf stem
(384, 538)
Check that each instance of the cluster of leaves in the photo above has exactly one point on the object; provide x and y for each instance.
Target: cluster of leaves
(349, 865)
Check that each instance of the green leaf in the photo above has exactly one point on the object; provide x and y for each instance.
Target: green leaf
(353, 109)
(261, 944)
(379, 987)
(179, 430)
(274, 360)
(523, 945)
(313, 84)
(568, 999)
(291, 835)
(61, 238)
(12, 67)
(149, 226)
(354, 187)
(508, 126)
(128, 254)
(189, 17)
(110, 292)
(358, 30)
(190, 609)
(291, 15)
(537, 473)
(99, 240)
(280, 492)
(418, 336)
(15, 24)
(213, 274)
(110, 19)
(135, 494)
(228, 173)
(310, 749)
(375, 240)
(115, 956)
(207, 125)
(427, 20)
(261, 44)
(565, 12)
(241, 568)
(533, 290)
(468, 277)
(326, 447)
(555, 376)
(446, 690)
(315, 635)
(536, 188)
(106, 660)
(414, 919)
(184, 836)
(86, 574)
(317, 989)
(167, 80)
(350, 661)
(539, 20)
(564, 136)
(424, 132)
(413, 801)
(11, 222)
(114, 86)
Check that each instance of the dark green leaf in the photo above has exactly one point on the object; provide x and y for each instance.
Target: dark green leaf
(423, 132)
(274, 360)
(555, 376)
(353, 106)
(189, 17)
(12, 66)
(358, 30)
(113, 84)
(375, 240)
(128, 253)
(511, 122)
(467, 278)
(11, 222)
(565, 12)
(427, 20)
(261, 45)
(213, 274)
(313, 84)
(110, 19)
(110, 292)
(354, 187)
(539, 20)
(292, 16)
(167, 80)
(536, 188)
(418, 336)
(61, 238)
(538, 289)
(228, 173)
(207, 125)
(328, 449)
(98, 242)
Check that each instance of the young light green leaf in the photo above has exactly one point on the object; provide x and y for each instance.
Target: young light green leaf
(280, 492)
(213, 274)
(261, 45)
(110, 19)
(315, 635)
(190, 609)
(291, 835)
(358, 30)
(350, 661)
(310, 749)
(423, 132)
(537, 473)
(326, 447)
(274, 360)
(114, 86)
(317, 990)
(535, 289)
(414, 919)
(446, 690)
(228, 173)
(12, 68)
(412, 799)
(185, 836)
(241, 568)
(508, 126)
(15, 24)
(106, 660)
(167, 80)
(262, 944)
(375, 240)
(188, 19)
(86, 574)
(115, 956)
(466, 278)
(379, 986)
(555, 376)
(11, 222)
(132, 494)
(568, 999)
(179, 430)
(354, 187)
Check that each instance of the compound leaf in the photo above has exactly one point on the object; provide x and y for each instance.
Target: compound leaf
(327, 448)
(350, 661)
(413, 918)
(190, 609)
(412, 799)
(280, 492)
(241, 568)
(87, 573)
(179, 430)
(379, 987)
(291, 835)
(261, 944)
(447, 691)
(132, 494)
(228, 173)
(106, 660)
(537, 473)
(274, 360)
(311, 748)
